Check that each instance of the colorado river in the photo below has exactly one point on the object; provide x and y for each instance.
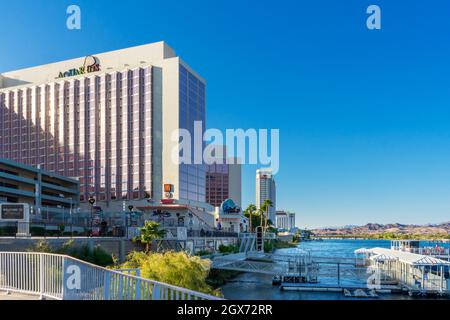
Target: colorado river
(251, 286)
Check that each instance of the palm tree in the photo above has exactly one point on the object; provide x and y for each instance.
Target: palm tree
(149, 232)
(261, 215)
(249, 211)
(265, 210)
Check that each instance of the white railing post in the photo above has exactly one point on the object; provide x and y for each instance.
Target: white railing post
(41, 276)
(44, 275)
(106, 288)
(138, 289)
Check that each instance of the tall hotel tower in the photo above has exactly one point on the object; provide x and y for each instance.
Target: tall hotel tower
(265, 190)
(107, 120)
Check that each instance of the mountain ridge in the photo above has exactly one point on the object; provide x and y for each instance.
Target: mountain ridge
(377, 228)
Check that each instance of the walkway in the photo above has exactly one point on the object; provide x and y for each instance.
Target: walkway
(61, 277)
(17, 296)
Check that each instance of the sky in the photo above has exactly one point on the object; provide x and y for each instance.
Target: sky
(363, 114)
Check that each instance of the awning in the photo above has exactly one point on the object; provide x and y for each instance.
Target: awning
(382, 257)
(408, 257)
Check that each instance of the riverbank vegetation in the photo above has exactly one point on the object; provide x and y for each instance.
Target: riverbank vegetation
(393, 236)
(229, 249)
(217, 278)
(96, 255)
(175, 268)
(270, 246)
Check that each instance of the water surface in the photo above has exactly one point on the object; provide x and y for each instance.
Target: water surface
(254, 286)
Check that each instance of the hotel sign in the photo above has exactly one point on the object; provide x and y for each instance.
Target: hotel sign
(91, 64)
(12, 212)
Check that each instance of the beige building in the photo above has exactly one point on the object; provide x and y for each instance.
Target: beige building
(107, 120)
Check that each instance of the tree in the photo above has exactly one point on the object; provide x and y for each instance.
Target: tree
(265, 210)
(149, 232)
(249, 213)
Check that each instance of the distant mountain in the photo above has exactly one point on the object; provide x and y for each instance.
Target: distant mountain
(377, 228)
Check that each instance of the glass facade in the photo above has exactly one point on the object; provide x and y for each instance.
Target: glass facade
(192, 108)
(97, 129)
(217, 184)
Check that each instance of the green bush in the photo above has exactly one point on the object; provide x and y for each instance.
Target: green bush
(217, 278)
(232, 248)
(8, 231)
(176, 268)
(202, 253)
(97, 256)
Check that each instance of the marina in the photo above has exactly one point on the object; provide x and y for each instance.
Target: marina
(342, 269)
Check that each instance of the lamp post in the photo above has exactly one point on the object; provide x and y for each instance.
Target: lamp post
(92, 202)
(130, 207)
(70, 215)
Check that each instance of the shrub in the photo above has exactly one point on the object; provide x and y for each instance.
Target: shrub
(176, 268)
(228, 249)
(96, 256)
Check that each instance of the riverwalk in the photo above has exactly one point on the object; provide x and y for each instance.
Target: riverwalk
(16, 296)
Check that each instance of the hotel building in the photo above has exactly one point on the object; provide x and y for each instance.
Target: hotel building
(107, 120)
(285, 220)
(265, 190)
(224, 181)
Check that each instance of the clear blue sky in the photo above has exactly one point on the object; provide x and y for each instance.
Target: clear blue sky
(364, 116)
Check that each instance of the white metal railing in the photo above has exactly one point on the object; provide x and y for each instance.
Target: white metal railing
(62, 277)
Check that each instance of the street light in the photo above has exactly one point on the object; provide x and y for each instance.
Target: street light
(130, 207)
(92, 202)
(70, 214)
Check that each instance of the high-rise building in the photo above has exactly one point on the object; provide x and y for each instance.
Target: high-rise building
(107, 120)
(265, 190)
(285, 220)
(224, 180)
(292, 223)
(282, 220)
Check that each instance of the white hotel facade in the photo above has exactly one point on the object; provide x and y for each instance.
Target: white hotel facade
(107, 120)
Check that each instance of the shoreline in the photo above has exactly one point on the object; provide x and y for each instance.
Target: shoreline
(387, 238)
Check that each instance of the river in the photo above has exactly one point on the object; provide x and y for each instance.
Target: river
(251, 286)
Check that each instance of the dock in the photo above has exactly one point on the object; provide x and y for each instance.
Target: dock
(417, 274)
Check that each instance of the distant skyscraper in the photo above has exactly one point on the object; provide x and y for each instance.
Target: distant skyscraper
(285, 220)
(282, 220)
(223, 181)
(265, 190)
(291, 220)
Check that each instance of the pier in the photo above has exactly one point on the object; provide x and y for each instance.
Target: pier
(418, 274)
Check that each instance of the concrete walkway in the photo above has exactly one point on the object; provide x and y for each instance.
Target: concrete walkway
(16, 296)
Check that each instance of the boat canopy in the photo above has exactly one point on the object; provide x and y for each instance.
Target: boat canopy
(407, 257)
(382, 257)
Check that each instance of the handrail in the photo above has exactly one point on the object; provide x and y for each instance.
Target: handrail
(62, 277)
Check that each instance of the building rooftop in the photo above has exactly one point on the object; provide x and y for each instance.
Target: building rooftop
(117, 60)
